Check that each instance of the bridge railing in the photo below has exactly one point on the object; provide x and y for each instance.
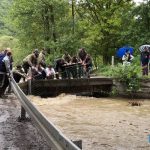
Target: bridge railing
(54, 137)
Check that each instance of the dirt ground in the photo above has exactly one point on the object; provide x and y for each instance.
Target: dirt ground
(16, 135)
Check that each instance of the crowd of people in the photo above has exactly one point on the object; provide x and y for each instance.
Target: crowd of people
(6, 63)
(75, 66)
(144, 59)
(65, 67)
(34, 67)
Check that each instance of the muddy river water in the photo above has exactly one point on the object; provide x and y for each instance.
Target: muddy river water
(101, 123)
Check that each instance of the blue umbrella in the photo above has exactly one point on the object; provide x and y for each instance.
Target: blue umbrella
(121, 51)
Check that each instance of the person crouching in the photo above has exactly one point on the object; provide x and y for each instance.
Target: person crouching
(50, 72)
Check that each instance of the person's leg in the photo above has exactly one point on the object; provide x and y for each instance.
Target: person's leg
(9, 89)
(74, 71)
(25, 67)
(143, 70)
(89, 69)
(63, 75)
(43, 74)
(2, 79)
(68, 72)
(80, 70)
(146, 70)
(50, 77)
(3, 88)
(57, 75)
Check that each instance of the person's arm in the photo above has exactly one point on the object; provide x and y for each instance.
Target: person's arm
(30, 60)
(53, 71)
(63, 57)
(19, 73)
(47, 71)
(131, 57)
(124, 58)
(7, 64)
(69, 58)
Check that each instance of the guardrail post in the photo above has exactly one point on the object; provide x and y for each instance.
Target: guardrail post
(23, 117)
(23, 111)
(112, 61)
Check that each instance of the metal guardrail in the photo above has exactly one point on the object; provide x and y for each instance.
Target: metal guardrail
(54, 137)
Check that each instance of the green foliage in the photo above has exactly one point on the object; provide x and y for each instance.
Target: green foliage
(13, 43)
(139, 30)
(106, 24)
(129, 75)
(7, 41)
(5, 26)
(50, 59)
(100, 26)
(96, 25)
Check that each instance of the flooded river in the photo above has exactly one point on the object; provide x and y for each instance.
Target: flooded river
(101, 123)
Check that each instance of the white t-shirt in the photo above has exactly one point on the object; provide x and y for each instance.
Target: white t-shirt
(125, 59)
(50, 71)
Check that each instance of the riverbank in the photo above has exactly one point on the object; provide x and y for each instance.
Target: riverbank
(16, 135)
(143, 92)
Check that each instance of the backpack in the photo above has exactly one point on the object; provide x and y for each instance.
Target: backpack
(2, 64)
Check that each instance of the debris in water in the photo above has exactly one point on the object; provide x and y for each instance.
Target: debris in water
(135, 103)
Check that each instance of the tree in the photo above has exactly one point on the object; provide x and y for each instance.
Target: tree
(100, 26)
(37, 20)
(5, 28)
(141, 24)
(105, 19)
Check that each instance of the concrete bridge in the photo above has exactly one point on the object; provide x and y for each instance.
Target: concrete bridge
(93, 86)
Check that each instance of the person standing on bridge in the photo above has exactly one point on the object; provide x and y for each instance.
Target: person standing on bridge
(59, 68)
(88, 65)
(74, 69)
(18, 73)
(30, 61)
(41, 58)
(82, 55)
(66, 57)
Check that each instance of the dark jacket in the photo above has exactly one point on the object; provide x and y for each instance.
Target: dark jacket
(145, 58)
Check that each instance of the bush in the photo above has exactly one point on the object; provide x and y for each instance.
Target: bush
(130, 75)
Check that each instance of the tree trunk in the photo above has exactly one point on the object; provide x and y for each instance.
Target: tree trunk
(73, 18)
(46, 24)
(106, 57)
(53, 24)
